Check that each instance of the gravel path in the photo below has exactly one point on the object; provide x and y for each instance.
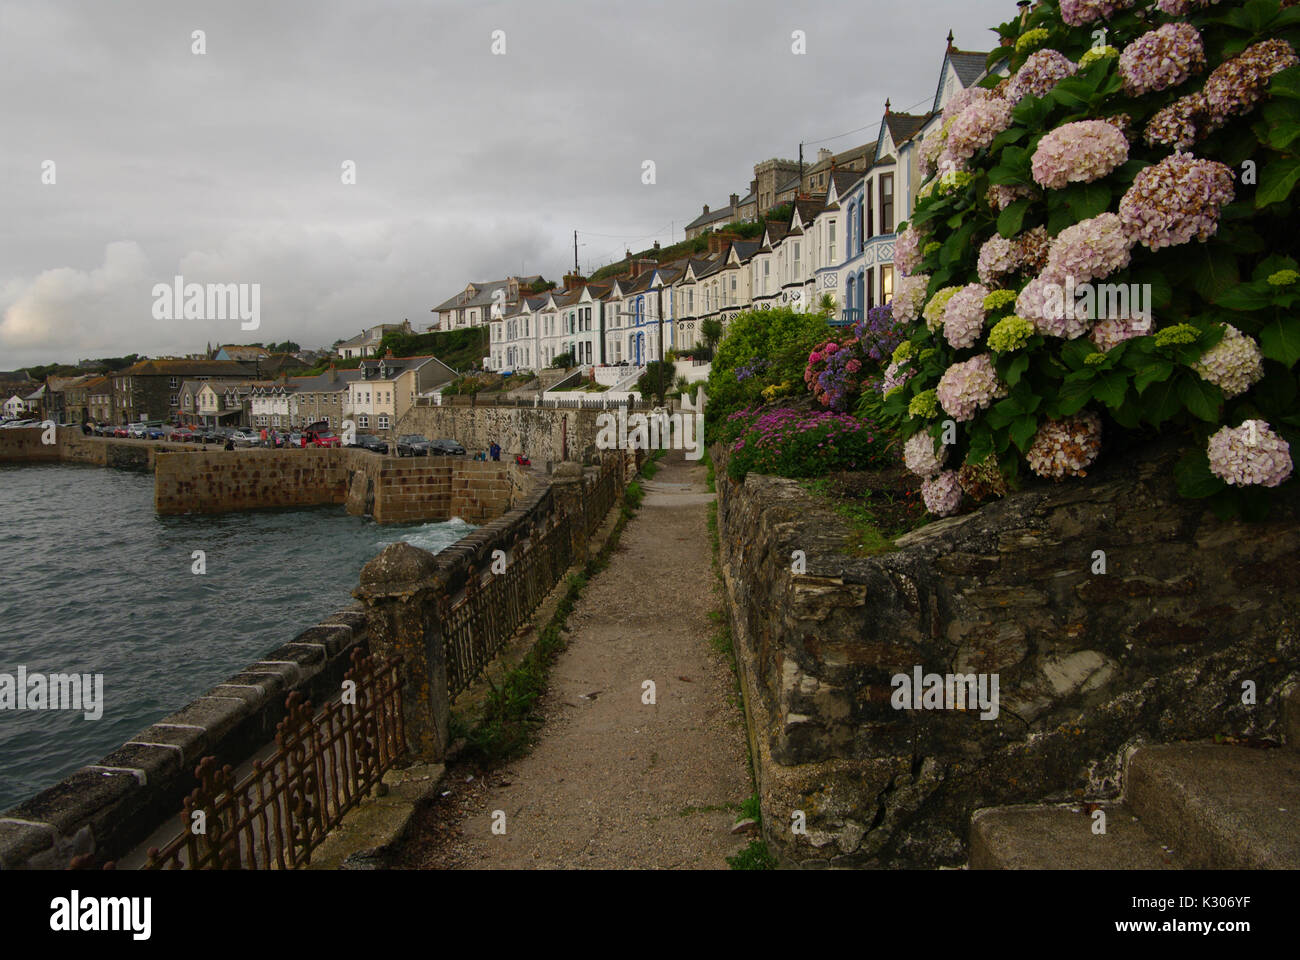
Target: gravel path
(613, 782)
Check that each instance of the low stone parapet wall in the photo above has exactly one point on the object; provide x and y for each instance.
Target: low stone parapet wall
(105, 809)
(1111, 611)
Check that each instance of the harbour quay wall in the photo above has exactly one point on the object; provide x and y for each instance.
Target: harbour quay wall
(390, 489)
(1112, 611)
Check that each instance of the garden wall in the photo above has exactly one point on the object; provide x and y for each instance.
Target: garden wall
(1156, 648)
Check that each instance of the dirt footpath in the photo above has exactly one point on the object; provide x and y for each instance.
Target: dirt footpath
(614, 782)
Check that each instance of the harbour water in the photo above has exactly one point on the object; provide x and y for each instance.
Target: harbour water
(92, 581)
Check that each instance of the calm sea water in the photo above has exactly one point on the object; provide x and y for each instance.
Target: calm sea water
(93, 581)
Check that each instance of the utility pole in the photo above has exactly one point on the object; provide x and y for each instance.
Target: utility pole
(659, 317)
(575, 253)
(800, 189)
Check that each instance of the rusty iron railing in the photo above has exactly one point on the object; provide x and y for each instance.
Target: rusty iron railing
(601, 497)
(477, 625)
(323, 765)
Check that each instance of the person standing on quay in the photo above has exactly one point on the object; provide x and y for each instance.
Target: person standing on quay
(496, 450)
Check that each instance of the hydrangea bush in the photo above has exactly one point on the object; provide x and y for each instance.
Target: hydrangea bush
(1102, 248)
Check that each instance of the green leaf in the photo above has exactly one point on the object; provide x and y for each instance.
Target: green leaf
(1286, 83)
(1073, 396)
(1018, 366)
(1282, 135)
(981, 443)
(1217, 273)
(1152, 373)
(1201, 397)
(1280, 340)
(1161, 402)
(1244, 296)
(1276, 181)
(1011, 219)
(1006, 137)
(1075, 352)
(1111, 388)
(1023, 430)
(1193, 476)
(1087, 200)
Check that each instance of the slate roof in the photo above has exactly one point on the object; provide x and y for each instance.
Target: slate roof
(724, 214)
(185, 368)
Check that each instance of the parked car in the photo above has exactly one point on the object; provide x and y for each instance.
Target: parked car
(136, 431)
(368, 441)
(294, 440)
(122, 430)
(446, 448)
(247, 437)
(155, 431)
(412, 445)
(324, 438)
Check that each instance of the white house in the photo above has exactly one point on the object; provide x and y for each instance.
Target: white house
(14, 407)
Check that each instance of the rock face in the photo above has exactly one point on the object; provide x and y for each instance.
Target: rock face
(1158, 647)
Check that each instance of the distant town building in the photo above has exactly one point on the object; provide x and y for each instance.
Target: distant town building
(478, 303)
(366, 344)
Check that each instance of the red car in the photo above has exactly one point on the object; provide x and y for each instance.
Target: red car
(324, 440)
(122, 431)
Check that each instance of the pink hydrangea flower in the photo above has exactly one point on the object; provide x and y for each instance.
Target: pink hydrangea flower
(1039, 74)
(963, 317)
(1078, 153)
(1178, 8)
(909, 297)
(1161, 58)
(1249, 455)
(1067, 447)
(907, 250)
(969, 386)
(1079, 12)
(1113, 331)
(1233, 364)
(997, 259)
(1090, 250)
(1236, 85)
(1181, 123)
(960, 100)
(976, 126)
(919, 455)
(1045, 303)
(1176, 199)
(1001, 196)
(942, 494)
(895, 376)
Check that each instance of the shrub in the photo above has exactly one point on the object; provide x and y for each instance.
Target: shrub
(761, 349)
(1215, 338)
(793, 443)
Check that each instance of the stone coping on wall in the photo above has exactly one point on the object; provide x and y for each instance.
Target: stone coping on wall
(1154, 649)
(104, 809)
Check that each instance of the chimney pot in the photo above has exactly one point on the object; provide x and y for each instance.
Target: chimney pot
(706, 208)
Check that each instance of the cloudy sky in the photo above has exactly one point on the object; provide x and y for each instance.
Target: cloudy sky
(226, 167)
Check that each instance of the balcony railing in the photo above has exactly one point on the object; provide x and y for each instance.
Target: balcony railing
(849, 316)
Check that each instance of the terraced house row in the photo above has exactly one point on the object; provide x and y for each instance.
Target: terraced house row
(837, 240)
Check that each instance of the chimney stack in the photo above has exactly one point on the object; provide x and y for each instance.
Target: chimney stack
(706, 208)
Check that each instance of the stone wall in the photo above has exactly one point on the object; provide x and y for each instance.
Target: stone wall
(224, 480)
(107, 808)
(1156, 648)
(539, 433)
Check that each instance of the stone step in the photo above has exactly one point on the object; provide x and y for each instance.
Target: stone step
(1060, 837)
(1219, 806)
